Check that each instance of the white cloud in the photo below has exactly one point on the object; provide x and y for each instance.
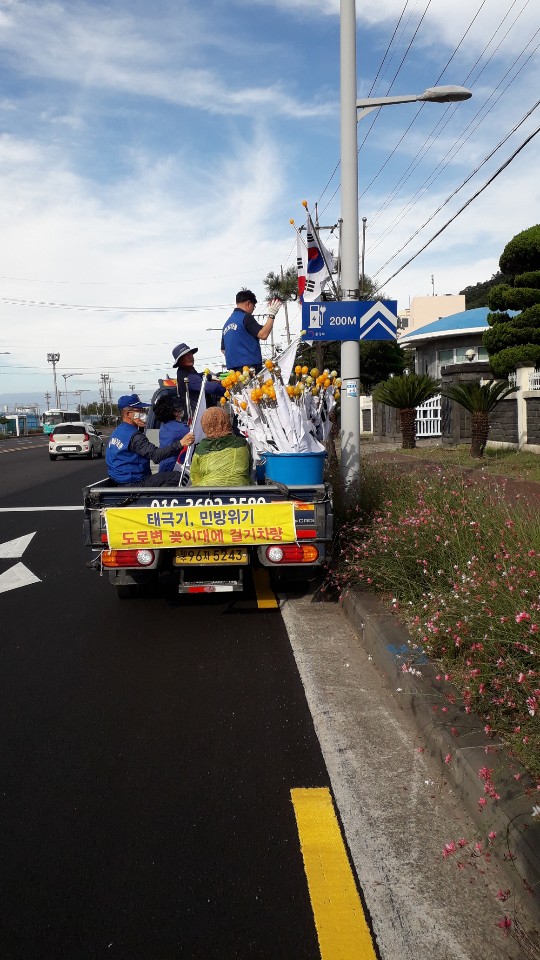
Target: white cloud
(154, 162)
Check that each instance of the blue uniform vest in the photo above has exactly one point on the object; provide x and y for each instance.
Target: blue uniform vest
(241, 348)
(168, 433)
(124, 465)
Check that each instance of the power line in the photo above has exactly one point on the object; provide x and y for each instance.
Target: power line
(12, 302)
(464, 182)
(461, 209)
(454, 150)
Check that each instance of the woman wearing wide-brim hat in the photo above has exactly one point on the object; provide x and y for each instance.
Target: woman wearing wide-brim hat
(184, 362)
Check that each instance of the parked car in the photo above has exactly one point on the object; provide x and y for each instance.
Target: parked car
(75, 440)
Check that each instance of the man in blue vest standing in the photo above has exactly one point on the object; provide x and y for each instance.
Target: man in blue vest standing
(242, 335)
(129, 452)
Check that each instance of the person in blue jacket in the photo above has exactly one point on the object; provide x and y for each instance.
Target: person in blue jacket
(184, 358)
(242, 335)
(129, 452)
(170, 412)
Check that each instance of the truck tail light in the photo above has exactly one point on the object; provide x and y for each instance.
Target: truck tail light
(127, 558)
(292, 553)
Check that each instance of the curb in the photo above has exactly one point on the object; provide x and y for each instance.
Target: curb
(389, 644)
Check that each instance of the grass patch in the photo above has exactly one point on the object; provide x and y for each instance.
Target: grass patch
(461, 568)
(510, 463)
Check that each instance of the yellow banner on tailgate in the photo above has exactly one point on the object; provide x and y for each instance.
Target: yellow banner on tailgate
(257, 523)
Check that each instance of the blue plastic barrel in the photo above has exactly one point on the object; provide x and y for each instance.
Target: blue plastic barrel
(295, 469)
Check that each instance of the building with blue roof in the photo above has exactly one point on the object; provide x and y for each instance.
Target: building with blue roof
(449, 340)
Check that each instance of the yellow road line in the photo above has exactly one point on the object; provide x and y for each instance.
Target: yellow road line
(342, 928)
(266, 598)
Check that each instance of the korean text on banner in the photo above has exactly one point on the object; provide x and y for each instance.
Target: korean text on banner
(182, 526)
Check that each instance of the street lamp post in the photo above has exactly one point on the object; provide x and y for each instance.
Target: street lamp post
(78, 394)
(66, 377)
(352, 110)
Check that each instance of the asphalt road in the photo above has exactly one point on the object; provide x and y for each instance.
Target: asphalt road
(166, 766)
(149, 751)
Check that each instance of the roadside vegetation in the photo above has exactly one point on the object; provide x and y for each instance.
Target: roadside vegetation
(460, 565)
(495, 462)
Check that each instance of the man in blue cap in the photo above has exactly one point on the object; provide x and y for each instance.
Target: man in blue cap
(242, 335)
(129, 452)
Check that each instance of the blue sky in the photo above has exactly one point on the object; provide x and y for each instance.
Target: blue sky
(152, 154)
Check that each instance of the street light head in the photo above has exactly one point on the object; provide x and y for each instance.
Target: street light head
(448, 94)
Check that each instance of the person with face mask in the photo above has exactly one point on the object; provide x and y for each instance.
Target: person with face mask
(129, 452)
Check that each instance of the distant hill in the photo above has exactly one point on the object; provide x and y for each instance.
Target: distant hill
(476, 295)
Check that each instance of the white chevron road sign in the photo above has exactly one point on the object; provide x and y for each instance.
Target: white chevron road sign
(379, 322)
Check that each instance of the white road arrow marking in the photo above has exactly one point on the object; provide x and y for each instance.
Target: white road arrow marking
(19, 575)
(15, 548)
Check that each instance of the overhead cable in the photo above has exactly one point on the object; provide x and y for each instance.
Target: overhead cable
(457, 190)
(461, 209)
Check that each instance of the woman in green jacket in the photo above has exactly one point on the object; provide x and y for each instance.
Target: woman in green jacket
(222, 459)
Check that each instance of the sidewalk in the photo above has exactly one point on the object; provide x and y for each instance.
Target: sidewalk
(422, 693)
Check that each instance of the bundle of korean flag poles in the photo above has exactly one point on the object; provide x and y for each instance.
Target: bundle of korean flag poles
(281, 416)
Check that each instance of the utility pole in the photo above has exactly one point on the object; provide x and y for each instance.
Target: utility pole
(350, 349)
(432, 285)
(103, 392)
(48, 399)
(110, 395)
(132, 387)
(54, 358)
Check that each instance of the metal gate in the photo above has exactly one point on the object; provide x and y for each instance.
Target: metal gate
(428, 418)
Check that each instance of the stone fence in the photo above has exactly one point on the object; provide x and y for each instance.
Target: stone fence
(515, 421)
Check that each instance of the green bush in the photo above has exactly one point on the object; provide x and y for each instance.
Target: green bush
(530, 279)
(506, 361)
(497, 296)
(522, 253)
(513, 298)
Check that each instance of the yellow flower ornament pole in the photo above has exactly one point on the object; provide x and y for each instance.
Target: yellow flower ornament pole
(282, 417)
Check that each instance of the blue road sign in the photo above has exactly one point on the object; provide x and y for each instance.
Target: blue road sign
(349, 320)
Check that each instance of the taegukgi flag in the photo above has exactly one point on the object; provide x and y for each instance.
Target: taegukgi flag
(320, 264)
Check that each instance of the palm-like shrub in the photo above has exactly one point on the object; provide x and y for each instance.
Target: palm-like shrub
(479, 399)
(405, 394)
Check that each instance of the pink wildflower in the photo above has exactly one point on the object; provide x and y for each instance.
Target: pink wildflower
(505, 923)
(503, 895)
(448, 758)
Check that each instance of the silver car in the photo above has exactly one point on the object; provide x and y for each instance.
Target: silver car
(75, 440)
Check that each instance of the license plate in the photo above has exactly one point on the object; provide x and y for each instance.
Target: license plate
(214, 555)
(68, 449)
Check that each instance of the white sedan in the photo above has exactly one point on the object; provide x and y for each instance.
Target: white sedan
(75, 440)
